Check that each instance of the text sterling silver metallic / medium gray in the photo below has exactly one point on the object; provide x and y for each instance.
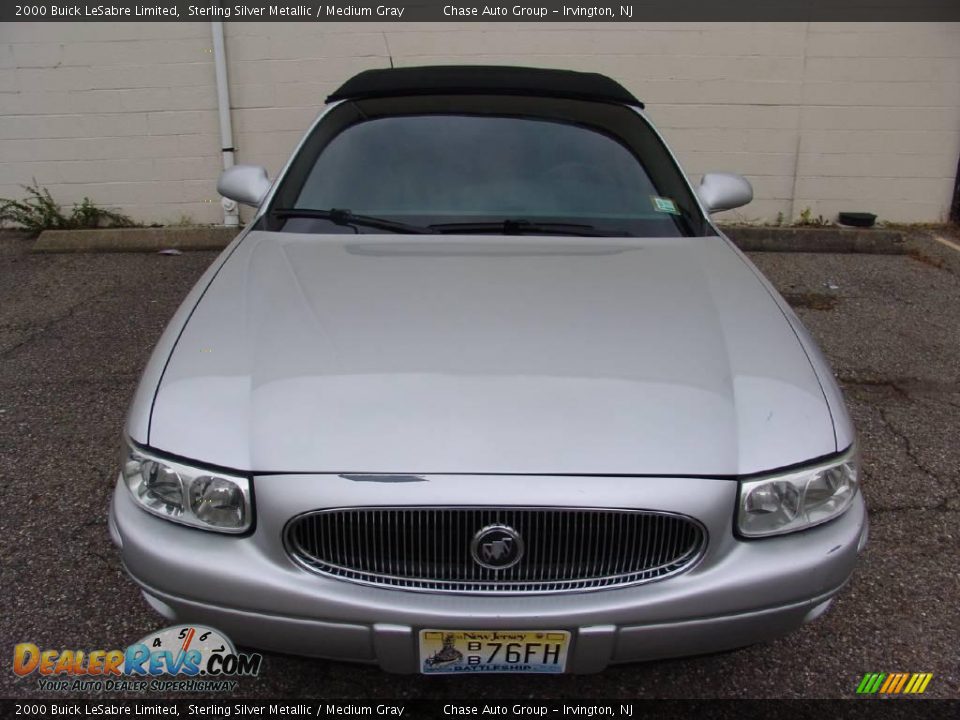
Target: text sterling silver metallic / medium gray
(482, 388)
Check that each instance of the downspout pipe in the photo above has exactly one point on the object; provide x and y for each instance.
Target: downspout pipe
(955, 208)
(231, 212)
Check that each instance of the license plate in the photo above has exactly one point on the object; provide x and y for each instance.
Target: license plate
(493, 651)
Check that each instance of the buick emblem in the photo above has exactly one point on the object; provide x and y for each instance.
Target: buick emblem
(497, 547)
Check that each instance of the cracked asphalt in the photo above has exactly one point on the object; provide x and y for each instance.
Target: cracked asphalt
(75, 331)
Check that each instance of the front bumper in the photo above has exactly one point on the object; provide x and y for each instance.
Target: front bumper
(742, 592)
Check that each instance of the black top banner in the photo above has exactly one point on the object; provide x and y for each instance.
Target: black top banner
(471, 11)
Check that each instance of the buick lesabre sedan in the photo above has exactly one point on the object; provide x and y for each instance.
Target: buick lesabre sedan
(482, 388)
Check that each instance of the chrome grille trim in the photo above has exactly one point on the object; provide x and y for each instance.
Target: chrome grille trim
(427, 549)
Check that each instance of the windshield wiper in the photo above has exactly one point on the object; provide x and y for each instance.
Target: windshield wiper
(348, 219)
(521, 227)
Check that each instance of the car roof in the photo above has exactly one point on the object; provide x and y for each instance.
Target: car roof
(483, 80)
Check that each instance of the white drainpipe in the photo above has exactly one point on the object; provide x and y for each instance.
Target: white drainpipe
(231, 213)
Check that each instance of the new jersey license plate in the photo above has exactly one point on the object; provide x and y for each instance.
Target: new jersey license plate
(493, 651)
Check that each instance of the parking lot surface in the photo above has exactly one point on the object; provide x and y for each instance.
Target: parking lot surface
(75, 331)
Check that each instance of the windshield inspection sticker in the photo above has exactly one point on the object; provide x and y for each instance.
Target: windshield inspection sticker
(662, 204)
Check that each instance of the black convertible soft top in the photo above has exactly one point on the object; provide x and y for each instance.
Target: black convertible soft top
(483, 80)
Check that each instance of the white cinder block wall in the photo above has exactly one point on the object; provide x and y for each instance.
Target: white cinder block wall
(826, 116)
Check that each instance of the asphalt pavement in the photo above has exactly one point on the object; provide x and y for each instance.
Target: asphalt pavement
(76, 330)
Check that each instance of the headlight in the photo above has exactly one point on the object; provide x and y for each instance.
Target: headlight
(189, 495)
(798, 499)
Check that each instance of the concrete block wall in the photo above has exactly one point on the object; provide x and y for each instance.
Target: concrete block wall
(825, 116)
(124, 113)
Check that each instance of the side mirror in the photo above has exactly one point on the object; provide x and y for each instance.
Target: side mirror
(724, 191)
(247, 184)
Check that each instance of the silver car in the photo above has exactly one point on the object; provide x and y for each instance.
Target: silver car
(482, 388)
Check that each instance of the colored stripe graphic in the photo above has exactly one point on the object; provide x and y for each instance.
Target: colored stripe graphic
(871, 683)
(894, 683)
(918, 683)
(892, 679)
(899, 685)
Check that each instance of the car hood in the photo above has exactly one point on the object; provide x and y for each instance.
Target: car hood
(489, 354)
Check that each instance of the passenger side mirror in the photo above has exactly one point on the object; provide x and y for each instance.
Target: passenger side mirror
(724, 191)
(246, 184)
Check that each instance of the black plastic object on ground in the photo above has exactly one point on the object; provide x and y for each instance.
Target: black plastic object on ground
(857, 219)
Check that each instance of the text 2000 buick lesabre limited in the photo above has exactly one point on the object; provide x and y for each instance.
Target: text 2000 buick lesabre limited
(482, 388)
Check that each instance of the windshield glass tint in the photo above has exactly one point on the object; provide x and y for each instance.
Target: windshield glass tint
(461, 167)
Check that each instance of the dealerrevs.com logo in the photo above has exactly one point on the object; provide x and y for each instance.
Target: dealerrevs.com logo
(185, 658)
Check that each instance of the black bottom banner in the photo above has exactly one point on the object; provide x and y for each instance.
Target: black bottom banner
(697, 709)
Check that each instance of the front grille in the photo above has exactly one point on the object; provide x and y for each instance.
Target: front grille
(430, 548)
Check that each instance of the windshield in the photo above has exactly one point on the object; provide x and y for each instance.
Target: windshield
(482, 172)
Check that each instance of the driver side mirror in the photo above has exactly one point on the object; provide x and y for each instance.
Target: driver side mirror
(724, 191)
(246, 184)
